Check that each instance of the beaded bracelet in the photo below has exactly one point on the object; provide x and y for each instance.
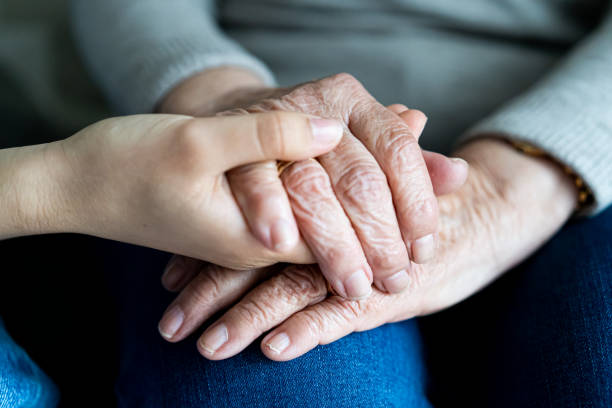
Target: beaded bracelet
(585, 195)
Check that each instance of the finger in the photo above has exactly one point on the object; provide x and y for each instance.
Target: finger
(213, 289)
(397, 108)
(323, 323)
(231, 141)
(447, 174)
(363, 191)
(395, 147)
(327, 230)
(263, 308)
(264, 203)
(411, 117)
(179, 271)
(415, 120)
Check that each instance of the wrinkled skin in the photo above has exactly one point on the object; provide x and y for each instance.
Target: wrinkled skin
(510, 205)
(366, 208)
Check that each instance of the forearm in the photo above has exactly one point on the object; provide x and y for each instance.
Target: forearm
(32, 181)
(520, 198)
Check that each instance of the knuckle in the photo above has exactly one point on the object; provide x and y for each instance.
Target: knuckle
(261, 177)
(335, 313)
(206, 286)
(348, 91)
(256, 312)
(345, 79)
(399, 145)
(336, 252)
(188, 264)
(300, 282)
(270, 134)
(421, 214)
(265, 202)
(307, 180)
(332, 315)
(363, 184)
(388, 258)
(189, 135)
(314, 322)
(349, 311)
(187, 143)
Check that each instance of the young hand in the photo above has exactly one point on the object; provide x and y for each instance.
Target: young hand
(158, 181)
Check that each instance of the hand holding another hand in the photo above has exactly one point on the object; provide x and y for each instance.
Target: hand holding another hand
(160, 180)
(364, 209)
(510, 205)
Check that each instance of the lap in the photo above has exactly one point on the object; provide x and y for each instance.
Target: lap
(22, 383)
(381, 367)
(537, 337)
(540, 336)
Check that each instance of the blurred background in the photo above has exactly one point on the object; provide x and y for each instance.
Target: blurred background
(53, 297)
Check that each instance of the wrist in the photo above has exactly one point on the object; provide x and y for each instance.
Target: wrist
(510, 205)
(32, 193)
(211, 91)
(517, 201)
(520, 178)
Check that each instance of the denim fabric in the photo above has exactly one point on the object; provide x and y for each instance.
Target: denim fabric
(155, 373)
(22, 383)
(538, 337)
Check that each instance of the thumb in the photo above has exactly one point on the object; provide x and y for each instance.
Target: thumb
(233, 141)
(448, 174)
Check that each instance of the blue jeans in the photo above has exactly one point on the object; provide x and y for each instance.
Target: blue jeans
(538, 337)
(22, 383)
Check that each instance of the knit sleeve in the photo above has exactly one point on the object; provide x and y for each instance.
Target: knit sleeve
(568, 114)
(138, 50)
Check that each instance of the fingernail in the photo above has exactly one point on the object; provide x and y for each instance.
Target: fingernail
(396, 282)
(284, 235)
(171, 322)
(214, 338)
(326, 132)
(278, 343)
(357, 286)
(459, 160)
(173, 274)
(424, 249)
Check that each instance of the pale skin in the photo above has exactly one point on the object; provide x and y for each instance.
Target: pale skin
(365, 209)
(510, 205)
(144, 180)
(158, 181)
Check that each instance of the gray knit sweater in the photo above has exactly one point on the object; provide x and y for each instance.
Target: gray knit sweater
(533, 70)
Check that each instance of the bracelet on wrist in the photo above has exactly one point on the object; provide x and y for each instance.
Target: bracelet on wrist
(585, 195)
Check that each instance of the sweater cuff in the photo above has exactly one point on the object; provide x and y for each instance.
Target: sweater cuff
(569, 132)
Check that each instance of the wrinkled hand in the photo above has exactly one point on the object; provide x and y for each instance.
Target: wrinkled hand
(510, 205)
(364, 209)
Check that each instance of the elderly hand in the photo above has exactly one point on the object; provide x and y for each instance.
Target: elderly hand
(510, 205)
(365, 209)
(159, 181)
